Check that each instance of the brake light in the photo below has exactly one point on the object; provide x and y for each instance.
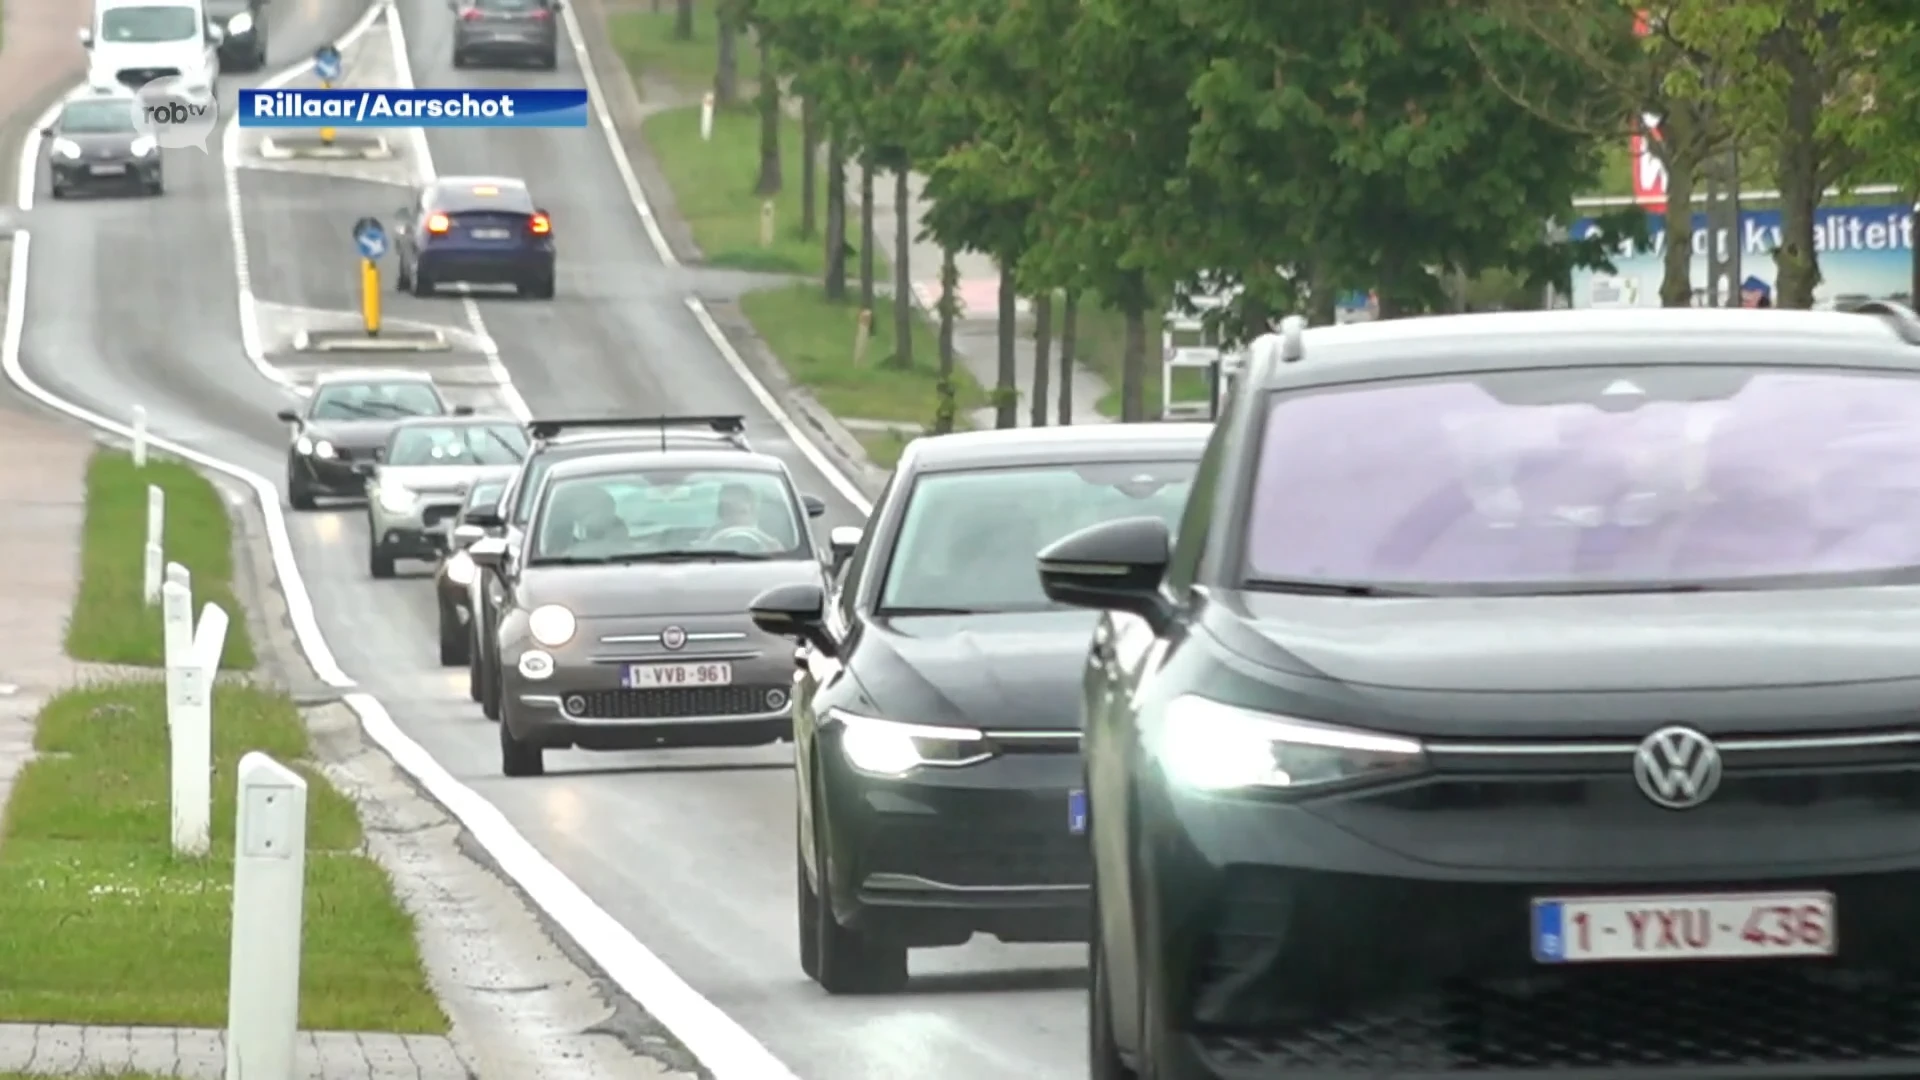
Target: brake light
(473, 14)
(541, 226)
(542, 14)
(438, 223)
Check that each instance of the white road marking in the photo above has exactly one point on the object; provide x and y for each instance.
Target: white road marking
(725, 1048)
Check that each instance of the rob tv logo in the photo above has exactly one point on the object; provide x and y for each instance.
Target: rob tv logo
(174, 114)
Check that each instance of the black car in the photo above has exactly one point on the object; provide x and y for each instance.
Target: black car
(93, 145)
(936, 706)
(555, 441)
(1522, 695)
(506, 32)
(339, 436)
(453, 578)
(243, 23)
(477, 230)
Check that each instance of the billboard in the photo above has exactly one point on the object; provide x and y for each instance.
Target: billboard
(1865, 251)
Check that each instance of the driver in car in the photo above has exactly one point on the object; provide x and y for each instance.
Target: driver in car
(588, 522)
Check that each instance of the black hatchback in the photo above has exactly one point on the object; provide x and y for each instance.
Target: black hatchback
(93, 146)
(506, 32)
(1523, 695)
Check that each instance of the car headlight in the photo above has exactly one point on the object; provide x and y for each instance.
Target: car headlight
(1211, 746)
(144, 145)
(891, 748)
(66, 148)
(396, 500)
(239, 24)
(323, 449)
(552, 625)
(460, 568)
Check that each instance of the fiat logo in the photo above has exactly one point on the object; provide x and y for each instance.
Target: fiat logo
(673, 637)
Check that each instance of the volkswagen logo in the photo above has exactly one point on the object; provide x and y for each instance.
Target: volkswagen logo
(1677, 768)
(673, 637)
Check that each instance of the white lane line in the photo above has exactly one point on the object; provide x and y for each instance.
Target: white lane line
(637, 196)
(423, 167)
(720, 1044)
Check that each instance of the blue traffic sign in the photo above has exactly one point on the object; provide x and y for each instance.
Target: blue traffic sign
(370, 237)
(326, 63)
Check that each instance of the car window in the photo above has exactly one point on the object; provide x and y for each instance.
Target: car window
(110, 116)
(463, 197)
(967, 540)
(457, 444)
(146, 24)
(483, 493)
(1573, 479)
(662, 513)
(510, 6)
(375, 401)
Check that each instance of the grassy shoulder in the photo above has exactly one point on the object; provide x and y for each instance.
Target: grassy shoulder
(111, 621)
(713, 181)
(644, 39)
(102, 924)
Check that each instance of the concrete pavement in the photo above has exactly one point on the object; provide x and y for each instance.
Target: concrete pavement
(200, 1054)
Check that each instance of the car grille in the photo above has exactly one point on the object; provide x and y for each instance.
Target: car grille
(984, 849)
(135, 78)
(1884, 789)
(678, 702)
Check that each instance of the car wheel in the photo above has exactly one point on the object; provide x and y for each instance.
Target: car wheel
(157, 186)
(453, 638)
(518, 757)
(422, 284)
(379, 565)
(1103, 1053)
(459, 59)
(59, 192)
(473, 665)
(490, 686)
(849, 961)
(551, 61)
(806, 904)
(259, 58)
(298, 495)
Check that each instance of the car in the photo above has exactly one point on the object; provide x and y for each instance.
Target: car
(506, 31)
(418, 484)
(93, 145)
(565, 440)
(134, 42)
(243, 38)
(455, 573)
(344, 427)
(478, 230)
(936, 703)
(624, 621)
(1521, 694)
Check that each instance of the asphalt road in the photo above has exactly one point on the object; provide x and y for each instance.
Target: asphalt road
(692, 851)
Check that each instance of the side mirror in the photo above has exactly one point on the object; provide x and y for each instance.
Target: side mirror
(841, 542)
(484, 517)
(488, 551)
(1114, 566)
(468, 534)
(815, 505)
(288, 416)
(794, 611)
(86, 37)
(463, 410)
(49, 132)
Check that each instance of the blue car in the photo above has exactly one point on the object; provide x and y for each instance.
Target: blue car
(478, 231)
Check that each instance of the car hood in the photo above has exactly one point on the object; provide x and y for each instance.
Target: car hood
(1013, 671)
(103, 143)
(188, 55)
(682, 588)
(353, 434)
(441, 479)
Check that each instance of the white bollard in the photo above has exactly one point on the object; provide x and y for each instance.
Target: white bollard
(179, 575)
(176, 625)
(139, 437)
(706, 117)
(150, 574)
(269, 879)
(190, 732)
(153, 555)
(156, 515)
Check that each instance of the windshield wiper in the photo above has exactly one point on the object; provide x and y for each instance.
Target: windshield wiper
(1326, 588)
(692, 555)
(927, 611)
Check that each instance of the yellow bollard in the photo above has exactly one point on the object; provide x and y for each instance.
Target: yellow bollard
(370, 296)
(326, 134)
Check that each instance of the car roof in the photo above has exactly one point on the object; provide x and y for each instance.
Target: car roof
(614, 464)
(694, 437)
(1406, 348)
(360, 375)
(1012, 447)
(460, 193)
(474, 420)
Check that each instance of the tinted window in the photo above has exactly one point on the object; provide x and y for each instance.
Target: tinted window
(1592, 478)
(968, 539)
(459, 198)
(149, 24)
(375, 401)
(661, 513)
(457, 444)
(108, 116)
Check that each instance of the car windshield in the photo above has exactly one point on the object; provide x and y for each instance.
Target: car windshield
(105, 117)
(457, 444)
(376, 401)
(1592, 479)
(968, 539)
(484, 493)
(142, 23)
(668, 514)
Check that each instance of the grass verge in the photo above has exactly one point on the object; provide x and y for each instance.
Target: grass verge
(102, 924)
(111, 621)
(713, 183)
(644, 39)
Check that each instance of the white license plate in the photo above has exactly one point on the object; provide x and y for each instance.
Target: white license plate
(660, 676)
(108, 170)
(491, 234)
(1747, 926)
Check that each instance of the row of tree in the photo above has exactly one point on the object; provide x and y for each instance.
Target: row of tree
(1132, 152)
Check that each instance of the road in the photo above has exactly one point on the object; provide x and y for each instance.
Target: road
(691, 851)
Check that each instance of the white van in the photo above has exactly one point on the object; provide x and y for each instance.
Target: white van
(133, 42)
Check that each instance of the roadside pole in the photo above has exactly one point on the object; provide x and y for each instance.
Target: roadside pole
(370, 238)
(176, 614)
(153, 557)
(269, 877)
(190, 733)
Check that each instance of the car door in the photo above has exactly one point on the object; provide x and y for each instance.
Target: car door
(814, 673)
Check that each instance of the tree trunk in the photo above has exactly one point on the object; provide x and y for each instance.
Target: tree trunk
(1683, 171)
(1042, 357)
(1323, 298)
(943, 415)
(809, 168)
(1006, 384)
(1069, 339)
(683, 20)
(1133, 362)
(1796, 260)
(836, 285)
(902, 268)
(726, 71)
(770, 181)
(866, 233)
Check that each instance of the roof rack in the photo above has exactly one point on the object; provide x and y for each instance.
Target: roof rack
(725, 425)
(1904, 320)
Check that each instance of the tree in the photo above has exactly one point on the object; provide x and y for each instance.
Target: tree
(1042, 350)
(1888, 147)
(770, 181)
(726, 70)
(683, 20)
(809, 167)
